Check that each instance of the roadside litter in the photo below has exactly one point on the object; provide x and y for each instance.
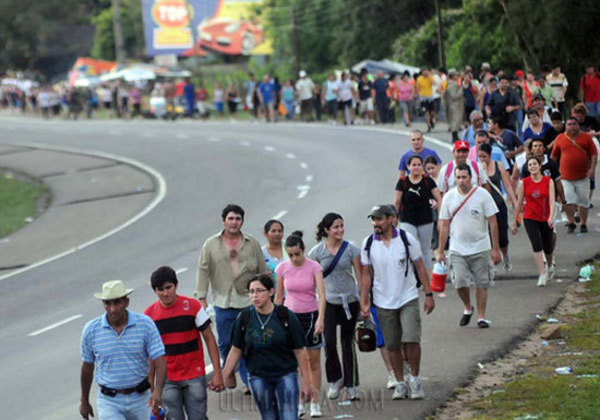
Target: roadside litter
(564, 370)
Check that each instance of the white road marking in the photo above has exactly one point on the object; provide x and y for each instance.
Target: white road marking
(214, 139)
(309, 178)
(56, 324)
(302, 194)
(279, 215)
(290, 156)
(303, 165)
(181, 270)
(304, 189)
(269, 148)
(245, 143)
(161, 192)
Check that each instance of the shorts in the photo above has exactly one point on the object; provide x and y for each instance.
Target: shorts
(307, 321)
(471, 269)
(405, 106)
(343, 104)
(593, 183)
(378, 333)
(577, 192)
(402, 325)
(427, 104)
(366, 105)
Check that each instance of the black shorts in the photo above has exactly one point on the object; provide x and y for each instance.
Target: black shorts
(307, 321)
(427, 105)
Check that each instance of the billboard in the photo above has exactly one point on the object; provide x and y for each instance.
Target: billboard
(228, 27)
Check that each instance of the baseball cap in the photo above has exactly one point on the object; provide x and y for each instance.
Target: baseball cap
(519, 73)
(461, 145)
(381, 210)
(485, 66)
(538, 96)
(302, 73)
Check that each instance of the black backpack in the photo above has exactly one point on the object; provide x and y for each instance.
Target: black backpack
(406, 244)
(283, 314)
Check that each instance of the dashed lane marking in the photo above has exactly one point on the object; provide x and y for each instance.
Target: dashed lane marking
(55, 325)
(279, 215)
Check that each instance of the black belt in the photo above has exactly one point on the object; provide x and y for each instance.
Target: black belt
(140, 388)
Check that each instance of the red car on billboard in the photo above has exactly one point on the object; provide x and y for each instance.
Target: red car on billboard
(229, 36)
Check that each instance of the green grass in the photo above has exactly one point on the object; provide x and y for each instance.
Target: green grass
(18, 201)
(542, 394)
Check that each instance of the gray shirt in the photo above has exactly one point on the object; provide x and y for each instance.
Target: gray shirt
(340, 282)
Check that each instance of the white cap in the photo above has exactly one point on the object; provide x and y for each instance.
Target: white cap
(302, 73)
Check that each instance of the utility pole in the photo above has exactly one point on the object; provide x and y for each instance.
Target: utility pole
(118, 32)
(440, 32)
(295, 42)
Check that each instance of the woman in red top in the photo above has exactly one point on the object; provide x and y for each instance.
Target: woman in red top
(538, 216)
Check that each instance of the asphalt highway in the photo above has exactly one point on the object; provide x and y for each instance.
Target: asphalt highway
(290, 171)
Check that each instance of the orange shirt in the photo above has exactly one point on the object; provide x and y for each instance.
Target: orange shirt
(574, 163)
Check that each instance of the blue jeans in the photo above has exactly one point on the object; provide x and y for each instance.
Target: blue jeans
(276, 398)
(190, 394)
(593, 109)
(289, 107)
(225, 317)
(123, 407)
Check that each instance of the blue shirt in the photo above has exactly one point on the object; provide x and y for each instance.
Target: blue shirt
(469, 134)
(121, 360)
(402, 166)
(267, 90)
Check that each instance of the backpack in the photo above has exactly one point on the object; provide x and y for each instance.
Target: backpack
(283, 314)
(406, 244)
(449, 168)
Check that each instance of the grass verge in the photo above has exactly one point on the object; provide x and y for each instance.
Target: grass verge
(539, 392)
(18, 202)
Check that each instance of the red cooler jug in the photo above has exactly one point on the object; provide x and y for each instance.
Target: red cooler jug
(438, 278)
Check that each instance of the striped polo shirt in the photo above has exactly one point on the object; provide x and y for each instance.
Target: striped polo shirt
(121, 359)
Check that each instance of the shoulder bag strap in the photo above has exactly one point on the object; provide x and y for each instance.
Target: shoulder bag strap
(463, 203)
(336, 259)
(578, 146)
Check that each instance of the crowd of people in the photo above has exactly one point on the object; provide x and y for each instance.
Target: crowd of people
(278, 305)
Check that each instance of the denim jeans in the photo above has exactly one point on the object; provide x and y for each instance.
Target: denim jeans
(133, 406)
(593, 109)
(225, 317)
(276, 398)
(189, 394)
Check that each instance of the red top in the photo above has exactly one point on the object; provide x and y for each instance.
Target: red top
(591, 86)
(179, 326)
(537, 199)
(574, 162)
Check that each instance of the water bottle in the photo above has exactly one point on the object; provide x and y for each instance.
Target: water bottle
(564, 370)
(161, 415)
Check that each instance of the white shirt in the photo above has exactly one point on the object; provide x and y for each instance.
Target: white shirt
(344, 89)
(451, 183)
(469, 227)
(391, 289)
(305, 88)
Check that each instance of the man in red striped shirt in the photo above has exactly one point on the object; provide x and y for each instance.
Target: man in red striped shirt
(181, 320)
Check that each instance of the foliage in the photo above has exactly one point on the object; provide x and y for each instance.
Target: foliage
(17, 202)
(132, 27)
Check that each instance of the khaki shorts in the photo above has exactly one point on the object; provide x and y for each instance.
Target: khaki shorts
(577, 192)
(471, 269)
(402, 325)
(366, 105)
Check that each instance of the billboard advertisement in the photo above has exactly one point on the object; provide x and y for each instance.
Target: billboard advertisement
(201, 27)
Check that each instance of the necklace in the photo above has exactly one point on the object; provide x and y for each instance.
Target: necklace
(263, 324)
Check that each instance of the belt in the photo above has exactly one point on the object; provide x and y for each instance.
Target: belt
(140, 388)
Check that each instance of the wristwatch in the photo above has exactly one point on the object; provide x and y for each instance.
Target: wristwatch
(430, 294)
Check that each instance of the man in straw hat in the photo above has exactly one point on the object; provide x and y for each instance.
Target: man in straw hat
(120, 343)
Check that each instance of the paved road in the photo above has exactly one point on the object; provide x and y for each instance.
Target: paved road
(298, 172)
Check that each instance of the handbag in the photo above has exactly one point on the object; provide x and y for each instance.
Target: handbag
(336, 259)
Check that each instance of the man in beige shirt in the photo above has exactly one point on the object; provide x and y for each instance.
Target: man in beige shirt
(227, 261)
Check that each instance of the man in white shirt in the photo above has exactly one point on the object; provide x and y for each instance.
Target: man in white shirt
(387, 267)
(305, 87)
(464, 216)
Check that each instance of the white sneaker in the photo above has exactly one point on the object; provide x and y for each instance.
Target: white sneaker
(416, 389)
(315, 410)
(508, 264)
(550, 271)
(392, 381)
(542, 280)
(334, 389)
(301, 410)
(406, 371)
(400, 392)
(352, 394)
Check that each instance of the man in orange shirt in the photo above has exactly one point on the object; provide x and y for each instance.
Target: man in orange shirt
(577, 156)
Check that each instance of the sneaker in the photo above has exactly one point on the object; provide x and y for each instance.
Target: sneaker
(416, 389)
(507, 263)
(550, 271)
(466, 318)
(315, 410)
(483, 323)
(334, 389)
(301, 410)
(391, 383)
(583, 229)
(542, 280)
(571, 227)
(400, 392)
(406, 371)
(352, 394)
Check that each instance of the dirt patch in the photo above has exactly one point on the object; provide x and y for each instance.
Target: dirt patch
(494, 375)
